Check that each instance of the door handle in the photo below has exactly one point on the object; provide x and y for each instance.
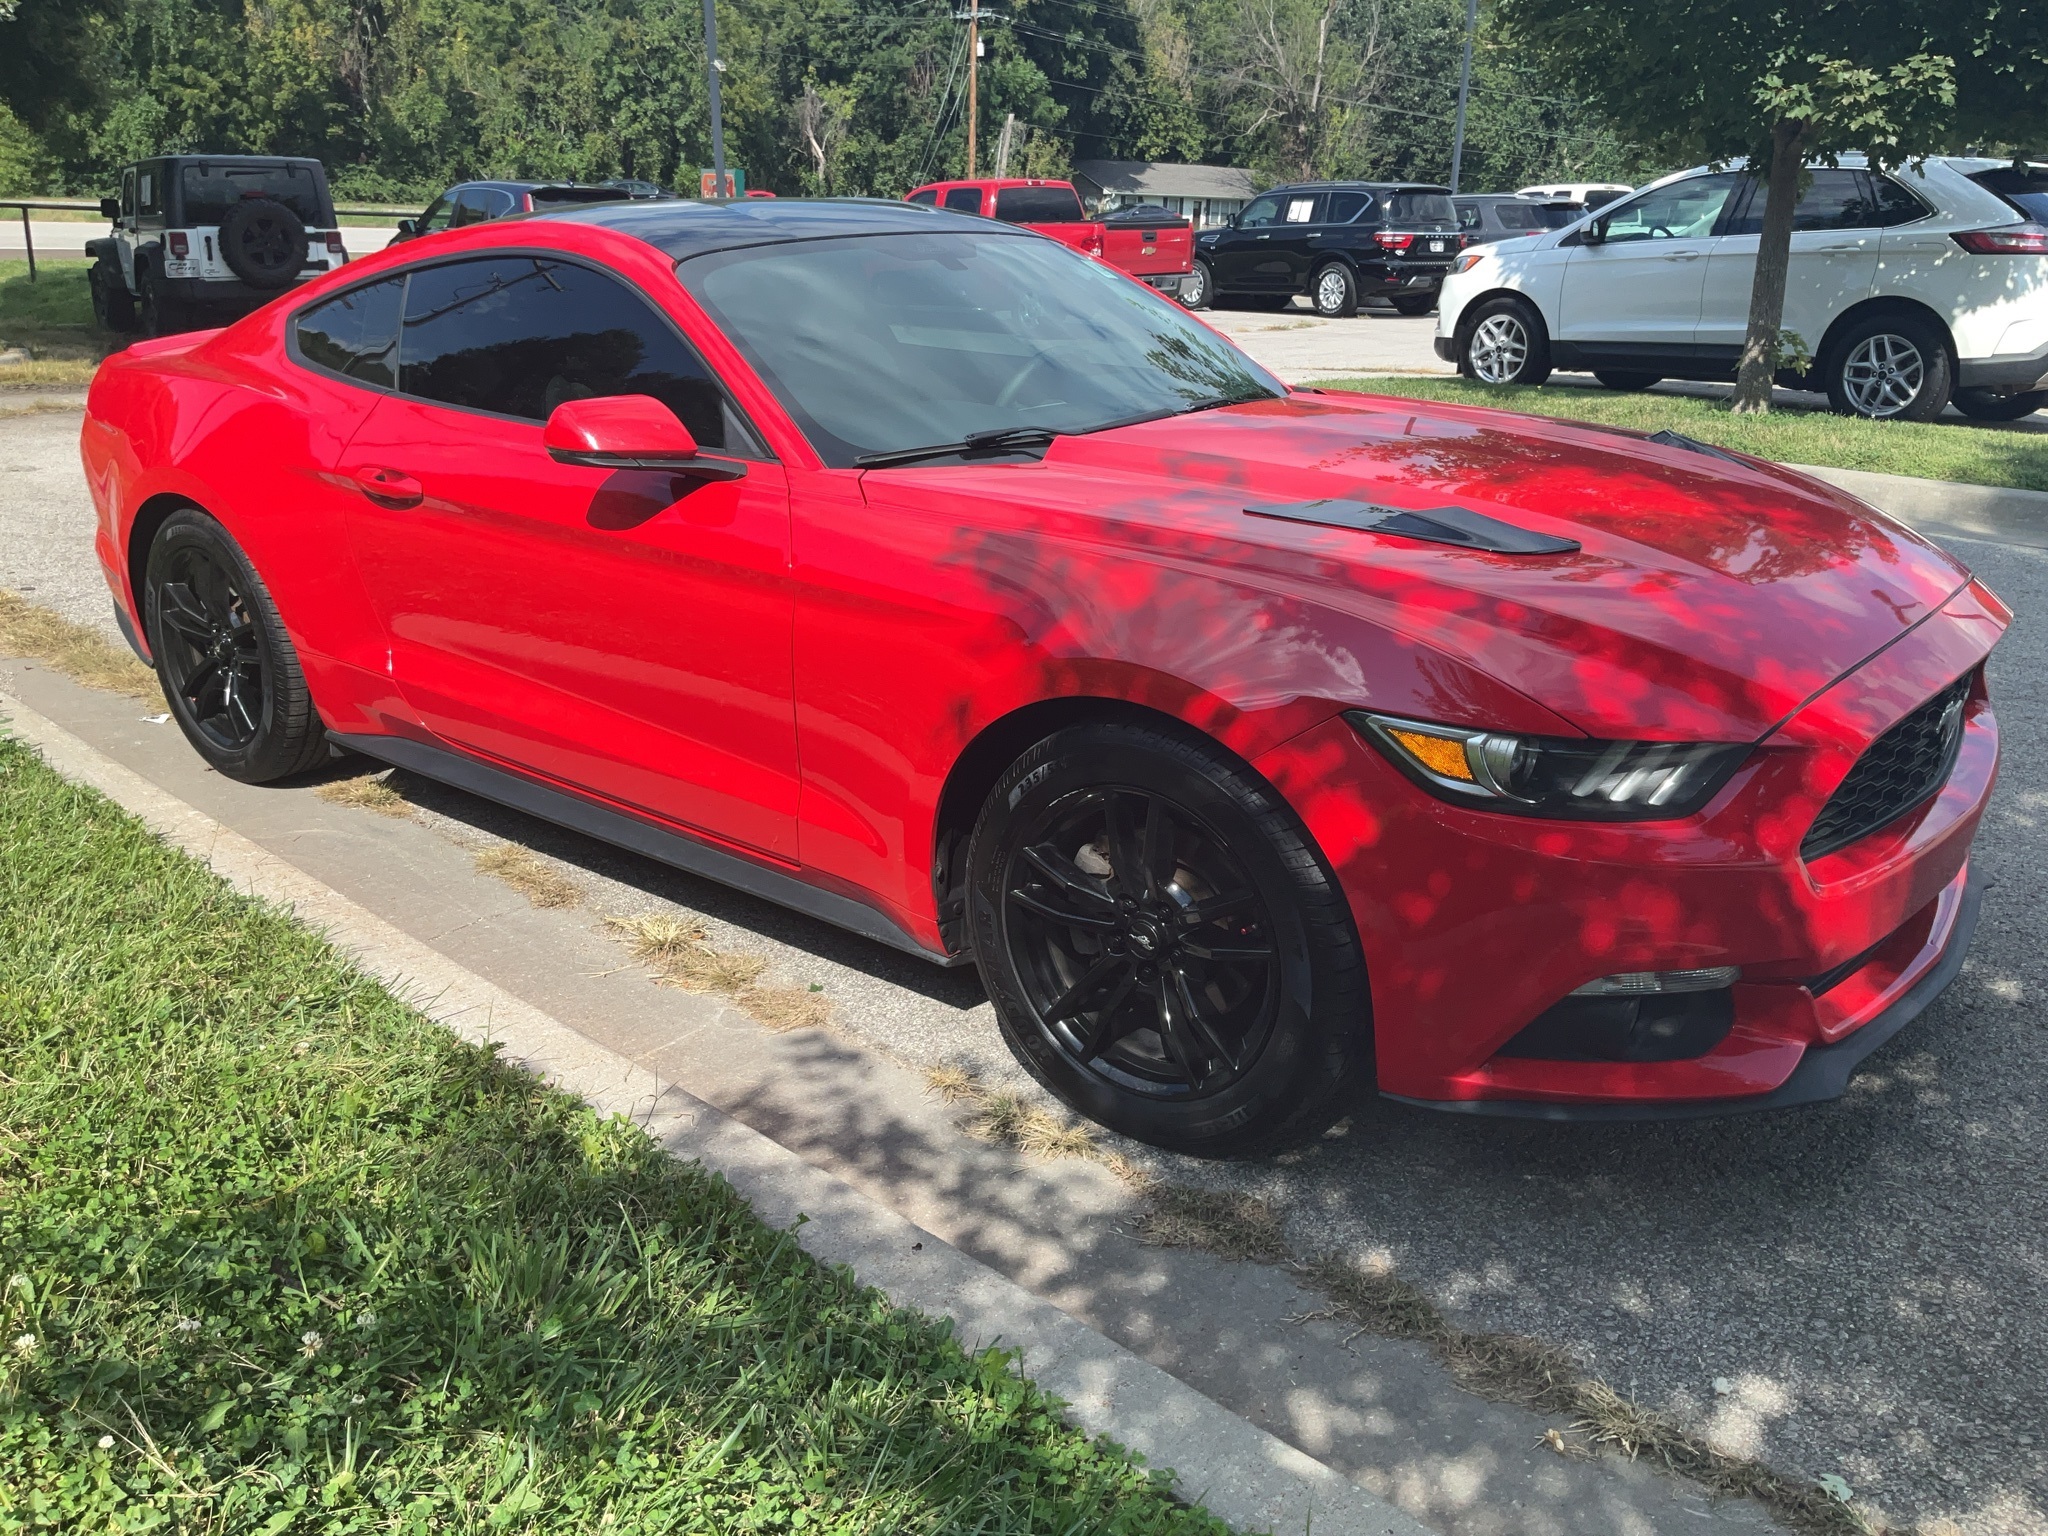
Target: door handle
(1265, 237)
(389, 487)
(1683, 256)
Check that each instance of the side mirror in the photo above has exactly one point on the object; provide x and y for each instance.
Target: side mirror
(628, 432)
(1233, 221)
(408, 227)
(110, 208)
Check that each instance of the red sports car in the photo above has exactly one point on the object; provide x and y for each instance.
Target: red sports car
(924, 575)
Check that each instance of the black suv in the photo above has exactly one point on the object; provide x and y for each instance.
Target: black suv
(474, 202)
(1336, 241)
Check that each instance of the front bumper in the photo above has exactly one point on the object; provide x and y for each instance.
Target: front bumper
(1446, 347)
(1475, 924)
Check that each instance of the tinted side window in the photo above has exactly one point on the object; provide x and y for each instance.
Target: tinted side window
(1831, 199)
(1896, 205)
(1468, 216)
(518, 335)
(964, 199)
(355, 334)
(927, 197)
(128, 194)
(1260, 213)
(1345, 206)
(148, 193)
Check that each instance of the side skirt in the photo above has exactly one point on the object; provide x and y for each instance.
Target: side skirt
(672, 848)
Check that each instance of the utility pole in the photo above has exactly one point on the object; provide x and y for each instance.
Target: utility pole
(1464, 90)
(973, 71)
(716, 67)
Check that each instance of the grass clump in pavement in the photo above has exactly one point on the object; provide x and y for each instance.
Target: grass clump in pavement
(530, 875)
(367, 791)
(79, 651)
(681, 955)
(281, 1254)
(1931, 450)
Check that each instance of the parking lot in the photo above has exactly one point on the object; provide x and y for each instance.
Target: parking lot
(1850, 1290)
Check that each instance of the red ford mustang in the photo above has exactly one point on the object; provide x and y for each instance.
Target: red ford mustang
(932, 579)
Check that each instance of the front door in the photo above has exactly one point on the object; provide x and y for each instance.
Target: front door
(1245, 257)
(1833, 261)
(623, 632)
(1640, 286)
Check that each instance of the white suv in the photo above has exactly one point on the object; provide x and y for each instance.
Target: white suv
(1909, 289)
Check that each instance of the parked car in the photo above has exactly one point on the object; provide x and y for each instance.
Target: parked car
(919, 573)
(1337, 242)
(201, 239)
(1909, 289)
(1499, 216)
(1159, 252)
(1584, 194)
(634, 186)
(474, 202)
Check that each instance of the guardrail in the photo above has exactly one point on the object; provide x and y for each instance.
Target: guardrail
(92, 205)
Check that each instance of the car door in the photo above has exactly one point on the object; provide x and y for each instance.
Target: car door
(1238, 250)
(626, 632)
(1297, 241)
(1833, 260)
(1639, 287)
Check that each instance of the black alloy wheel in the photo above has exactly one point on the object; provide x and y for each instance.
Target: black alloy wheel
(1165, 951)
(228, 670)
(161, 315)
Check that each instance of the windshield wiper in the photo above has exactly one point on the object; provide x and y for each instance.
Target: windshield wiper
(1210, 402)
(989, 440)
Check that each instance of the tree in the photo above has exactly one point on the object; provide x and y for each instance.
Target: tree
(1781, 82)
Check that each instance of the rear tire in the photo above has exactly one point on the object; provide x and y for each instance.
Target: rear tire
(1982, 405)
(1889, 367)
(1217, 1031)
(228, 669)
(1413, 303)
(1334, 291)
(1198, 288)
(1504, 342)
(1610, 379)
(161, 315)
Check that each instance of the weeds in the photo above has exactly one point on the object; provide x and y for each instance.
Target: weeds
(367, 791)
(681, 955)
(77, 650)
(530, 875)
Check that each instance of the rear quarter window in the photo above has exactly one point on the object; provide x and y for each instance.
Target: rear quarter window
(355, 334)
(1039, 205)
(2026, 190)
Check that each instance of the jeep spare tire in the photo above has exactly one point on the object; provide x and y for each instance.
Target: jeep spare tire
(263, 242)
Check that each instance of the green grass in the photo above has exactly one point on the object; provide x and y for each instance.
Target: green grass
(52, 318)
(1979, 454)
(277, 1254)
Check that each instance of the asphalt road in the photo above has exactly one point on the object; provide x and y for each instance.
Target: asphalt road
(1855, 1289)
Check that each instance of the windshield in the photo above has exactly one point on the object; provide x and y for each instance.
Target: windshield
(883, 342)
(211, 190)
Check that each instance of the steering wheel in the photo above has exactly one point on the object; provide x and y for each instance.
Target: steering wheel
(1662, 229)
(1016, 383)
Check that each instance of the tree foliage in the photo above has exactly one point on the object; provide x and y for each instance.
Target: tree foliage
(401, 97)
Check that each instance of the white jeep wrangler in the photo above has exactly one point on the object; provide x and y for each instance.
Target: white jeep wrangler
(202, 239)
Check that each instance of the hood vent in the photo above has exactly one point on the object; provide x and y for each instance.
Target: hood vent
(1458, 526)
(1669, 439)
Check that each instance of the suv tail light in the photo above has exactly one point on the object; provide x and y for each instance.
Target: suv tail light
(1393, 242)
(2013, 240)
(181, 245)
(334, 241)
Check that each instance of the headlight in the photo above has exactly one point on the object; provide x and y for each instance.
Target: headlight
(1467, 260)
(1561, 776)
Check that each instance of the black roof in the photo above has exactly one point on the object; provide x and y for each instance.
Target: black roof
(1361, 186)
(682, 228)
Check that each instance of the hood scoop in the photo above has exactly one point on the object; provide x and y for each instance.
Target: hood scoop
(1457, 526)
(1670, 439)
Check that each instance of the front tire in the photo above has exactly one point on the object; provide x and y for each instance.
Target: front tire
(1983, 405)
(1889, 367)
(1504, 342)
(228, 669)
(1166, 951)
(1334, 292)
(1198, 288)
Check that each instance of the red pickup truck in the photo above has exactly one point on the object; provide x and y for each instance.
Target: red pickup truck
(1159, 251)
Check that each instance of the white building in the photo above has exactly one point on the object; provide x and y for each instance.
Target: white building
(1206, 194)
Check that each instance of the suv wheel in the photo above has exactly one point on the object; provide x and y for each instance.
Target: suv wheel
(1611, 379)
(162, 315)
(228, 669)
(1198, 288)
(1889, 368)
(1334, 292)
(1983, 405)
(113, 306)
(1165, 950)
(1504, 342)
(1413, 303)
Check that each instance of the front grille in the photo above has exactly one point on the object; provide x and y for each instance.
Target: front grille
(1901, 769)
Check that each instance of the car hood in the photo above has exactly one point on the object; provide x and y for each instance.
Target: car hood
(1708, 599)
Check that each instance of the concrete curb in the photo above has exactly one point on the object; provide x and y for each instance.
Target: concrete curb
(1244, 1475)
(1946, 506)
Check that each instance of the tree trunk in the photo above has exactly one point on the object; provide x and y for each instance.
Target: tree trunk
(1773, 255)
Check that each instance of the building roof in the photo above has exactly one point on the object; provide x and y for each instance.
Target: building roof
(1154, 178)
